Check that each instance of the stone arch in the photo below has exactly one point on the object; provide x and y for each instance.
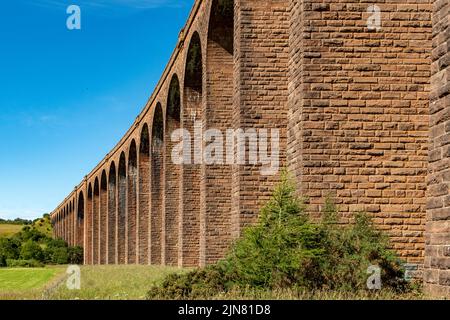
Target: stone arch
(189, 233)
(70, 223)
(60, 224)
(103, 223)
(64, 231)
(216, 212)
(131, 203)
(66, 223)
(89, 226)
(172, 177)
(56, 226)
(121, 215)
(69, 214)
(95, 221)
(112, 214)
(144, 196)
(157, 185)
(80, 220)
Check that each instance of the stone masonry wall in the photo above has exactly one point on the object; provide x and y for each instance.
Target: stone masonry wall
(358, 112)
(353, 107)
(437, 253)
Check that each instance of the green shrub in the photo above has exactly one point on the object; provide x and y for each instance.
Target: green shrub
(2, 261)
(286, 250)
(22, 263)
(31, 250)
(60, 256)
(9, 248)
(75, 255)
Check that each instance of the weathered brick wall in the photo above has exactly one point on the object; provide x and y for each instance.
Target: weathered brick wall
(157, 183)
(88, 226)
(112, 215)
(359, 112)
(260, 95)
(189, 233)
(122, 238)
(172, 174)
(437, 253)
(217, 113)
(103, 234)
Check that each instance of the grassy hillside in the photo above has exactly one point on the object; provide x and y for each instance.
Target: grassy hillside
(43, 225)
(9, 229)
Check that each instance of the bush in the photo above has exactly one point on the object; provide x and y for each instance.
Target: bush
(286, 250)
(21, 263)
(75, 255)
(60, 256)
(2, 261)
(31, 250)
(9, 248)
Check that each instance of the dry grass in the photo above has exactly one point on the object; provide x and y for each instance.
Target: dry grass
(7, 230)
(114, 282)
(318, 295)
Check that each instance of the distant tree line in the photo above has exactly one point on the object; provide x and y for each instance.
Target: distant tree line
(17, 221)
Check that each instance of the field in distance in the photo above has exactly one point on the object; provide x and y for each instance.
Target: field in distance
(7, 230)
(118, 282)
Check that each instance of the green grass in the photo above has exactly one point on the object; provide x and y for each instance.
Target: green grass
(114, 282)
(133, 282)
(7, 230)
(27, 283)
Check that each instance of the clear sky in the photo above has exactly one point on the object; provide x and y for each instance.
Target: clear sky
(67, 97)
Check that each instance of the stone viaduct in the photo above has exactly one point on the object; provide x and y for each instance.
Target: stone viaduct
(363, 115)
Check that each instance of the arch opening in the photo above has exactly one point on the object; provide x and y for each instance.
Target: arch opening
(112, 215)
(157, 185)
(131, 204)
(144, 196)
(80, 220)
(189, 231)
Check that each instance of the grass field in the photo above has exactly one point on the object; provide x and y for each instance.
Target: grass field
(133, 282)
(9, 229)
(27, 283)
(97, 282)
(114, 282)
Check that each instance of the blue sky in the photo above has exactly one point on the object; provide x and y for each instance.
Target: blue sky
(67, 97)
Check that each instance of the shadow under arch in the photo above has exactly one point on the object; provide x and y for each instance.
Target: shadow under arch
(157, 185)
(144, 197)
